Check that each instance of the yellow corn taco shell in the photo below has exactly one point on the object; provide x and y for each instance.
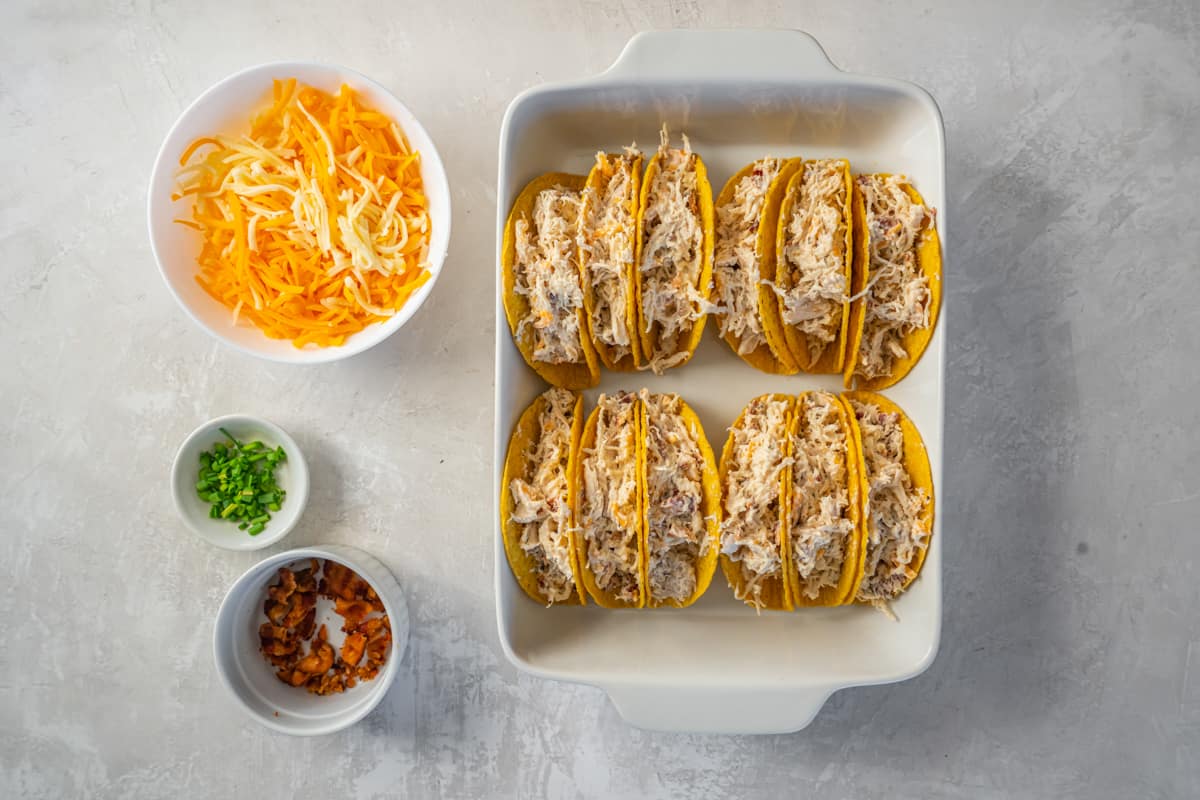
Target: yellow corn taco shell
(773, 356)
(832, 358)
(856, 471)
(776, 590)
(929, 262)
(916, 463)
(852, 563)
(516, 306)
(652, 349)
(597, 183)
(517, 465)
(710, 506)
(860, 274)
(633, 515)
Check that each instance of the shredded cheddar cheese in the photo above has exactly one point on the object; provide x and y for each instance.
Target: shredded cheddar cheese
(315, 224)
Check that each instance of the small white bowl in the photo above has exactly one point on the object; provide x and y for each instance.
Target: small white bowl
(252, 681)
(227, 108)
(291, 475)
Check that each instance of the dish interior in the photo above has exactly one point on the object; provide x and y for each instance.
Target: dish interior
(880, 126)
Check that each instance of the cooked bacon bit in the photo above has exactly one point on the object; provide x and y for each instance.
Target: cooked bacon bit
(286, 586)
(320, 658)
(353, 647)
(341, 581)
(355, 611)
(291, 614)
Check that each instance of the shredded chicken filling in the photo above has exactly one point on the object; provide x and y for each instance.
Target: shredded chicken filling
(750, 529)
(819, 512)
(608, 513)
(672, 256)
(814, 257)
(737, 273)
(541, 498)
(674, 484)
(607, 229)
(896, 536)
(898, 297)
(547, 274)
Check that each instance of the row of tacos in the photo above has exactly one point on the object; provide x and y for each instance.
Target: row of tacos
(818, 500)
(827, 500)
(823, 271)
(622, 509)
(805, 267)
(572, 295)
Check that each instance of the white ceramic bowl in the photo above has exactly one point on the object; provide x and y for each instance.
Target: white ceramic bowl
(227, 108)
(251, 680)
(291, 475)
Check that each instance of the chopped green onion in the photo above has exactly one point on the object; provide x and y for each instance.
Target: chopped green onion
(237, 480)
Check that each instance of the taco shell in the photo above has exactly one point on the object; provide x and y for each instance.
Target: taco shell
(774, 356)
(776, 590)
(706, 564)
(597, 180)
(606, 598)
(649, 338)
(833, 357)
(916, 463)
(852, 562)
(860, 275)
(528, 431)
(929, 263)
(516, 306)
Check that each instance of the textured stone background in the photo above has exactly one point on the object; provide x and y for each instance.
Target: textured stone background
(1069, 662)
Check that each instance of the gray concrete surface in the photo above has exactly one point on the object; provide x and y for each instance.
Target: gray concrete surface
(1070, 663)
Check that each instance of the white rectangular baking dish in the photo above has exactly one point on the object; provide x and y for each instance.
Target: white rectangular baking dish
(739, 95)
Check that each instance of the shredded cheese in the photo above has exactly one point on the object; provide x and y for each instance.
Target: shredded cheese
(315, 224)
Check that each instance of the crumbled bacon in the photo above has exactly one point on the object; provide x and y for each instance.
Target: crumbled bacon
(291, 618)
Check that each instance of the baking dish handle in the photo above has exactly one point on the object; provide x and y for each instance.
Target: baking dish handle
(718, 710)
(729, 55)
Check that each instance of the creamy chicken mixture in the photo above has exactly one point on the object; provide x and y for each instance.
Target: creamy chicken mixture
(541, 498)
(736, 271)
(895, 536)
(607, 239)
(674, 484)
(608, 511)
(819, 514)
(814, 256)
(898, 298)
(672, 256)
(751, 494)
(547, 274)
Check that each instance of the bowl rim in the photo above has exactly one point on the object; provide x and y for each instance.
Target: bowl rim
(380, 685)
(297, 494)
(431, 161)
